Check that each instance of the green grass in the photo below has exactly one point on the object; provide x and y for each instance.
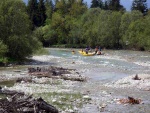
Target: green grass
(62, 101)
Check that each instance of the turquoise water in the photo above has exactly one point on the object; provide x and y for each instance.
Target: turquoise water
(130, 61)
(108, 68)
(113, 65)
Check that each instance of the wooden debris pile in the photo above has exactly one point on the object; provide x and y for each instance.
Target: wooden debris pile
(19, 103)
(55, 72)
(130, 100)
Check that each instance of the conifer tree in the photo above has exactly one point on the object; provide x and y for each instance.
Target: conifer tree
(32, 9)
(114, 5)
(140, 5)
(41, 13)
(101, 4)
(106, 5)
(95, 4)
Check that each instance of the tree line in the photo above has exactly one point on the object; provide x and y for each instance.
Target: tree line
(70, 23)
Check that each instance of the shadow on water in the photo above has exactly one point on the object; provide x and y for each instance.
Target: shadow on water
(36, 62)
(9, 83)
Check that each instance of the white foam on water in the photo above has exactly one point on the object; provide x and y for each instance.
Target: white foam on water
(111, 57)
(44, 57)
(146, 64)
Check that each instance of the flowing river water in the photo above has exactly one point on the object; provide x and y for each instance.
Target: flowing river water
(102, 71)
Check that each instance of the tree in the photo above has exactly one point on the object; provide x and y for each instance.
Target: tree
(140, 5)
(138, 34)
(49, 9)
(15, 29)
(32, 9)
(90, 34)
(73, 26)
(108, 29)
(61, 7)
(114, 5)
(126, 19)
(3, 49)
(105, 5)
(41, 13)
(94, 4)
(64, 20)
(101, 4)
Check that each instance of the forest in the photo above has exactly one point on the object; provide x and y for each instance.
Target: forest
(25, 28)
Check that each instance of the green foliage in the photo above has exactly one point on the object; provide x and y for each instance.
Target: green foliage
(41, 51)
(49, 9)
(3, 49)
(32, 9)
(115, 5)
(89, 34)
(126, 19)
(140, 5)
(108, 29)
(69, 23)
(41, 13)
(72, 24)
(94, 4)
(15, 29)
(37, 12)
(63, 27)
(138, 35)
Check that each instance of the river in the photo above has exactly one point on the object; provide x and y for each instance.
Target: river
(102, 73)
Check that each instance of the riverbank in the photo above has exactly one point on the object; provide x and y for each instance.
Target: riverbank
(106, 85)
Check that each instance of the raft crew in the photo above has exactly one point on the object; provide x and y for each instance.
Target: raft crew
(96, 49)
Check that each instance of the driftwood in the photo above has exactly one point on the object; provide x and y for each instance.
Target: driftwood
(25, 104)
(136, 77)
(54, 72)
(130, 100)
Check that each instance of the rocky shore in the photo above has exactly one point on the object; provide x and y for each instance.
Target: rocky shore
(71, 91)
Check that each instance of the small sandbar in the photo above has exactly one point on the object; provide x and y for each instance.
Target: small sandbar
(128, 82)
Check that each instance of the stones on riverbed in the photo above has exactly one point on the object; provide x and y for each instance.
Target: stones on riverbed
(101, 107)
(17, 70)
(69, 111)
(86, 97)
(27, 79)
